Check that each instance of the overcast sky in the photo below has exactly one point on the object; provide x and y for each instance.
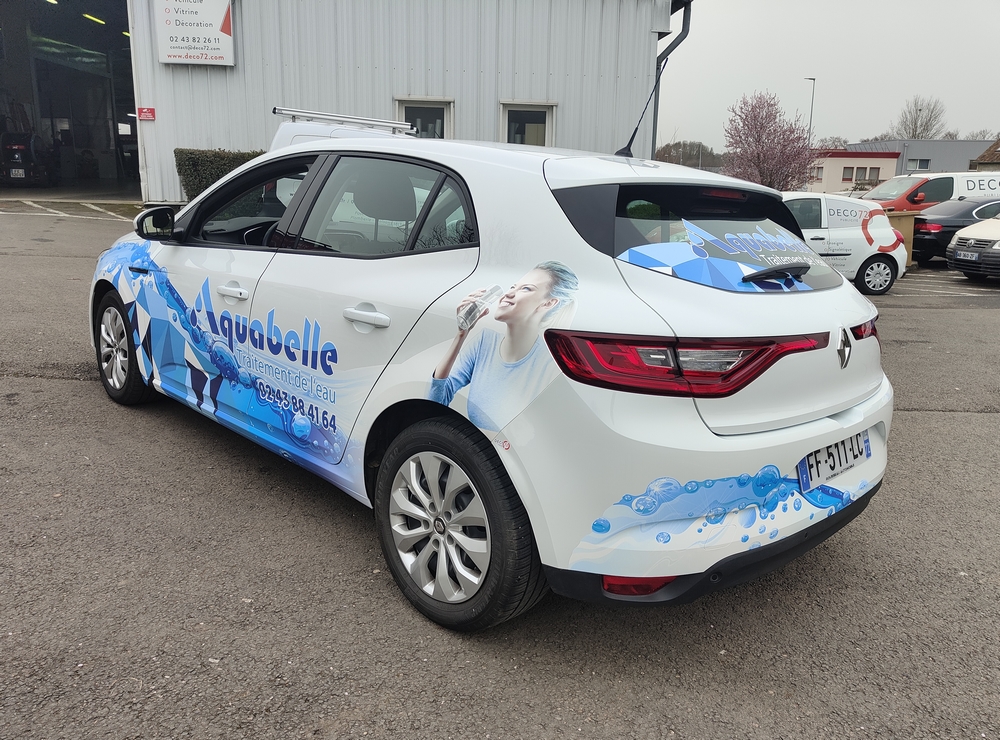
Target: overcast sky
(868, 57)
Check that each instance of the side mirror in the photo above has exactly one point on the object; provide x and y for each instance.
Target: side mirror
(155, 224)
(918, 198)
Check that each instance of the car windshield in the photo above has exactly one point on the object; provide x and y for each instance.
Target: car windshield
(713, 236)
(892, 189)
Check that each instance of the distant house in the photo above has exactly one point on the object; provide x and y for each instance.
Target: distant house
(989, 161)
(920, 156)
(836, 170)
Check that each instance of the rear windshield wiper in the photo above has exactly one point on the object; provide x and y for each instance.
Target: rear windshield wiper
(793, 270)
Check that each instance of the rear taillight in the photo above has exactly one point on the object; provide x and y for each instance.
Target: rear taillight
(930, 228)
(625, 586)
(865, 330)
(703, 368)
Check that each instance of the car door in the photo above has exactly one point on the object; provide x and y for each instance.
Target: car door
(204, 283)
(809, 215)
(383, 239)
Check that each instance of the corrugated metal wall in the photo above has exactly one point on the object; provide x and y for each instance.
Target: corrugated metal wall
(593, 59)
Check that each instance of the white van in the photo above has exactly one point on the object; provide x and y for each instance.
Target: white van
(853, 236)
(915, 192)
(305, 125)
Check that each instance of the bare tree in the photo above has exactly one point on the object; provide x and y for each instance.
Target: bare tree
(982, 134)
(764, 146)
(832, 142)
(921, 118)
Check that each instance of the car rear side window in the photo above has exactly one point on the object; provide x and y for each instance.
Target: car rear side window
(714, 236)
(808, 212)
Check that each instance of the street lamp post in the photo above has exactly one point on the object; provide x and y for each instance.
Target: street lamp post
(811, 102)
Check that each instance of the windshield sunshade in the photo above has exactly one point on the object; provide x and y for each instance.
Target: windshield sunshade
(715, 236)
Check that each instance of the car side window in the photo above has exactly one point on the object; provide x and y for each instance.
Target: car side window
(808, 212)
(247, 217)
(448, 222)
(938, 189)
(988, 211)
(367, 207)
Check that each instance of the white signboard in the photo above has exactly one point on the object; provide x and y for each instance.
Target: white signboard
(194, 31)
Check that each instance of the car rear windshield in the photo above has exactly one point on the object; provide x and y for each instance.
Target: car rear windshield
(720, 237)
(950, 209)
(892, 189)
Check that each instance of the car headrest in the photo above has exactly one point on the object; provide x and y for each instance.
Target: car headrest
(384, 193)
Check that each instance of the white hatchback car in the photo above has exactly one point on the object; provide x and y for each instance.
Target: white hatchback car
(614, 378)
(853, 235)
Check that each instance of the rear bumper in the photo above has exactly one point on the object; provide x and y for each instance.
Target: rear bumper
(730, 571)
(926, 247)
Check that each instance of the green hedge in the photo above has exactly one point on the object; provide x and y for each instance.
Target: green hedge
(199, 168)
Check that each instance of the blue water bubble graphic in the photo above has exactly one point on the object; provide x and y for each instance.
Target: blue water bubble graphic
(173, 316)
(766, 479)
(700, 530)
(627, 498)
(645, 505)
(797, 504)
(745, 538)
(663, 538)
(709, 483)
(784, 508)
(773, 533)
(601, 526)
(716, 515)
(691, 486)
(743, 480)
(812, 515)
(747, 517)
(831, 511)
(755, 545)
(244, 377)
(664, 489)
(761, 529)
(301, 426)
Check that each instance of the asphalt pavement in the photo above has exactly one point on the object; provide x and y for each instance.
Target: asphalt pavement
(162, 577)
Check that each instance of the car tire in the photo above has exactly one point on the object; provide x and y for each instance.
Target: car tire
(976, 277)
(876, 275)
(116, 360)
(442, 492)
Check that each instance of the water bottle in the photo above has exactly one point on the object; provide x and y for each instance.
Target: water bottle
(468, 316)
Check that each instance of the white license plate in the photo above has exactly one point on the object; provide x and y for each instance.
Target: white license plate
(16, 173)
(828, 462)
(967, 255)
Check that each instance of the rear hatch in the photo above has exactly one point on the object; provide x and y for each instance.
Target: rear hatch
(723, 262)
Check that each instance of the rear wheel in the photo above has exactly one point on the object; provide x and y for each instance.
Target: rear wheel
(116, 360)
(876, 275)
(452, 529)
(976, 277)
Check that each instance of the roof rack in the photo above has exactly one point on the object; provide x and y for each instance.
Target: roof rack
(309, 115)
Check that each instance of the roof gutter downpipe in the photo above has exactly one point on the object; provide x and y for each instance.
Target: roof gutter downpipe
(661, 60)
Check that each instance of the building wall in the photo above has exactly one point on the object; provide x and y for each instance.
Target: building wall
(833, 166)
(594, 60)
(16, 92)
(942, 155)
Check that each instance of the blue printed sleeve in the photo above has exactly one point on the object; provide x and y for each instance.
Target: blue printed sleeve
(443, 389)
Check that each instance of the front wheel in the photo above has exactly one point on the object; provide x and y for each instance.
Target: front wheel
(876, 276)
(116, 360)
(452, 529)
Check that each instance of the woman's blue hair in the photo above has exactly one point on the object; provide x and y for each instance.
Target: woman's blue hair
(564, 283)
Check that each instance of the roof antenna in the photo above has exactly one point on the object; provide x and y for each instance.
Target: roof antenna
(675, 5)
(626, 151)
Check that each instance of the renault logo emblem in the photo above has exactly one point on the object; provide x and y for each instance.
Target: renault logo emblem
(844, 348)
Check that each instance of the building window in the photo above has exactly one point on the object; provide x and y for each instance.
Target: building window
(873, 173)
(816, 173)
(527, 124)
(848, 174)
(433, 119)
(918, 164)
(861, 173)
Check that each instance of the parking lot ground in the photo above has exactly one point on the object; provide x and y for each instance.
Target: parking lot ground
(162, 577)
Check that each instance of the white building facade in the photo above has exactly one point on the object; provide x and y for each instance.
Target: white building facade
(568, 73)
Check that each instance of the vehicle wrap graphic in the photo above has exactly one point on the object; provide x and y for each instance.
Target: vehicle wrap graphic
(505, 372)
(249, 373)
(673, 517)
(722, 262)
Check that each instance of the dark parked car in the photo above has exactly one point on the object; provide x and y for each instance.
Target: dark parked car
(26, 160)
(934, 228)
